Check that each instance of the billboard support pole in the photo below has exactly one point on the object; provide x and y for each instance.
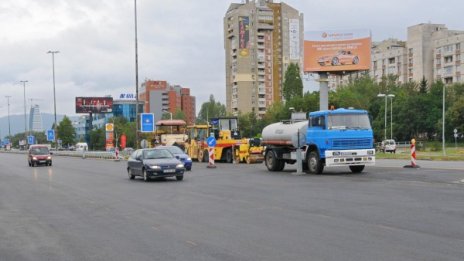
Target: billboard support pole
(323, 91)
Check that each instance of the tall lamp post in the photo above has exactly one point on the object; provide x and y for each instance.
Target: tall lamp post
(54, 93)
(9, 128)
(391, 96)
(136, 81)
(25, 115)
(385, 129)
(443, 123)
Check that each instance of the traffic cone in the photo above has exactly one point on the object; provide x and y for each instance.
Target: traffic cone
(413, 155)
(211, 158)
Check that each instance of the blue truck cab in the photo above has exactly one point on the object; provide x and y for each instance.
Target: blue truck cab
(341, 137)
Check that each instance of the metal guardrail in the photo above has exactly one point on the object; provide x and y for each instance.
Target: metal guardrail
(81, 154)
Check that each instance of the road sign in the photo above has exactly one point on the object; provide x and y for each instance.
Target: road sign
(211, 141)
(30, 139)
(50, 135)
(109, 127)
(455, 130)
(214, 121)
(147, 121)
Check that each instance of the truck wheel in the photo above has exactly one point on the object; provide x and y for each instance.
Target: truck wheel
(357, 169)
(314, 163)
(200, 156)
(271, 161)
(280, 165)
(206, 156)
(229, 157)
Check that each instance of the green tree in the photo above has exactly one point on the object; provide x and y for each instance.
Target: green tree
(211, 109)
(293, 84)
(97, 139)
(65, 131)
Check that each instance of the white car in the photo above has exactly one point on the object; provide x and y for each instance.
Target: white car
(388, 146)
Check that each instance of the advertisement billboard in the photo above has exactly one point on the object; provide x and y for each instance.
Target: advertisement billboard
(244, 35)
(332, 51)
(94, 104)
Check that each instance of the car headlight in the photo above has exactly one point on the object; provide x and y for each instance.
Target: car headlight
(189, 159)
(49, 158)
(34, 158)
(155, 167)
(370, 152)
(336, 153)
(179, 166)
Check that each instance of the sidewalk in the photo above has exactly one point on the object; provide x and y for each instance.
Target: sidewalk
(429, 164)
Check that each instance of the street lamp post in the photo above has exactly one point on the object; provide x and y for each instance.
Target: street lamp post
(385, 129)
(9, 128)
(54, 93)
(136, 81)
(391, 96)
(25, 115)
(443, 123)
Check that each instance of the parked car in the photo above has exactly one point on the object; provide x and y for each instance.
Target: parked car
(154, 163)
(181, 155)
(39, 154)
(342, 57)
(388, 146)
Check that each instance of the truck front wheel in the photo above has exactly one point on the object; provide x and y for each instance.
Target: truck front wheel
(357, 169)
(271, 161)
(314, 163)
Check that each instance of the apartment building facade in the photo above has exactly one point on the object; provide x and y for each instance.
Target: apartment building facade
(261, 39)
(161, 97)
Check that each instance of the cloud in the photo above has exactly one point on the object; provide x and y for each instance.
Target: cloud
(179, 41)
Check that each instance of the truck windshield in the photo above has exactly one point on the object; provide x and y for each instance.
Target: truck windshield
(348, 121)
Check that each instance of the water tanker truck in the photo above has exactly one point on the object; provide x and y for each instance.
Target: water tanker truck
(341, 137)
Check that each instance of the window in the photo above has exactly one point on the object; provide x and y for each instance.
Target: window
(458, 46)
(449, 59)
(318, 121)
(448, 48)
(449, 80)
(391, 60)
(448, 70)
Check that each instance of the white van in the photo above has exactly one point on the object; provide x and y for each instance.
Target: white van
(389, 146)
(82, 146)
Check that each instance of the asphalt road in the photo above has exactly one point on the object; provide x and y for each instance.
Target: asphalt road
(83, 209)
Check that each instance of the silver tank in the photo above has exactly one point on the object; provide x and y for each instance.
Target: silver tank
(285, 133)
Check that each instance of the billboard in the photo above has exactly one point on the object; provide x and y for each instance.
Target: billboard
(244, 35)
(94, 104)
(332, 51)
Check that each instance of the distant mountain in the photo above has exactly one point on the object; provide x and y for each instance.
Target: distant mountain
(17, 122)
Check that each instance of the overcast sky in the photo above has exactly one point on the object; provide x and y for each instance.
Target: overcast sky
(180, 41)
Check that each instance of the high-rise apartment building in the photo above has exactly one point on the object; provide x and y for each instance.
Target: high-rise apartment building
(261, 39)
(389, 57)
(35, 119)
(161, 97)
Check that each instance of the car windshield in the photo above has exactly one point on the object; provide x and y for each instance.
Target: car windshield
(175, 150)
(348, 121)
(157, 154)
(39, 151)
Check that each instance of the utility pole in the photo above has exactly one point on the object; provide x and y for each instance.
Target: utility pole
(136, 81)
(9, 127)
(54, 93)
(25, 115)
